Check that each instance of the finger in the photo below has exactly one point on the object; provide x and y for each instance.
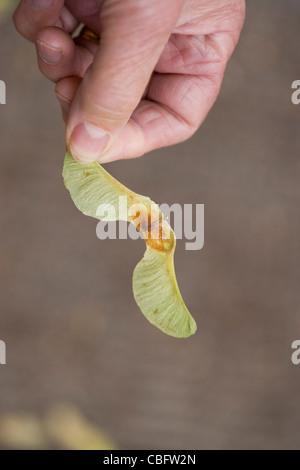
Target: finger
(67, 21)
(176, 107)
(133, 35)
(87, 12)
(65, 91)
(59, 57)
(33, 15)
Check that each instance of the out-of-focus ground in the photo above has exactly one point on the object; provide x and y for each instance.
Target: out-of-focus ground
(72, 329)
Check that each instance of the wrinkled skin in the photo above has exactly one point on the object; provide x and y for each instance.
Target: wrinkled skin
(151, 82)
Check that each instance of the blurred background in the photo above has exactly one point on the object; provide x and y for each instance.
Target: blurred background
(78, 349)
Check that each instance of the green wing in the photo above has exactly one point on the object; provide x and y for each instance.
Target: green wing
(157, 294)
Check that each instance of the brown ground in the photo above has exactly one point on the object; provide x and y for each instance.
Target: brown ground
(71, 326)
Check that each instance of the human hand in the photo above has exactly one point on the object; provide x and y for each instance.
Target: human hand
(152, 80)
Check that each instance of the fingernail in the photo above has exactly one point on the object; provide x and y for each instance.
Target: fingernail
(41, 4)
(50, 55)
(88, 142)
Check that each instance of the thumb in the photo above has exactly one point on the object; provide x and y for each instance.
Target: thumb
(133, 36)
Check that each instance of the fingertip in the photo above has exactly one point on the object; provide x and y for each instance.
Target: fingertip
(52, 43)
(56, 38)
(58, 56)
(68, 20)
(50, 55)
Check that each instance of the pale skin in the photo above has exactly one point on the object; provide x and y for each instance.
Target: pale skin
(150, 83)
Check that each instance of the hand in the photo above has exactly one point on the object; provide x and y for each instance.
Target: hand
(152, 80)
